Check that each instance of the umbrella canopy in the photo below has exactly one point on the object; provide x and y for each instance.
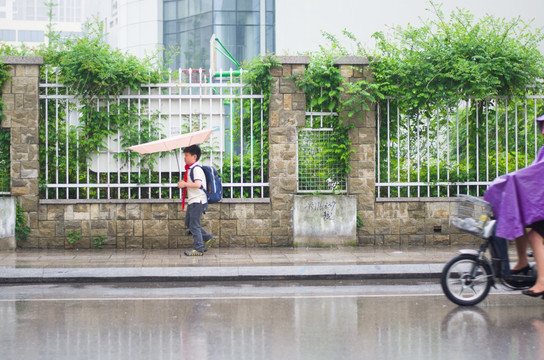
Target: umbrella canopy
(173, 143)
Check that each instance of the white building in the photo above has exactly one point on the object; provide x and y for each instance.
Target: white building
(25, 21)
(246, 27)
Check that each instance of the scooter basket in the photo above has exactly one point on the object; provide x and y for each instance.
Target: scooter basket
(471, 215)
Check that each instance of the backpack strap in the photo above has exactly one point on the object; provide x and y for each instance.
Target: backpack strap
(193, 177)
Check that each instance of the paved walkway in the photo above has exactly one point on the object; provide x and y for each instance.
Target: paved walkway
(23, 266)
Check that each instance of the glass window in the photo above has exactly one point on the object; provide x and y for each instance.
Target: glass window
(183, 9)
(170, 27)
(7, 35)
(207, 5)
(2, 14)
(225, 17)
(270, 5)
(248, 39)
(194, 7)
(224, 5)
(248, 5)
(270, 42)
(31, 35)
(269, 18)
(2, 3)
(169, 11)
(248, 18)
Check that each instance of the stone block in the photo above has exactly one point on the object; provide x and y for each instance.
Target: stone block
(415, 240)
(228, 227)
(366, 240)
(159, 211)
(263, 241)
(391, 240)
(125, 228)
(155, 228)
(299, 103)
(30, 101)
(276, 71)
(298, 69)
(282, 241)
(19, 191)
(47, 229)
(159, 242)
(287, 86)
(274, 119)
(133, 211)
(134, 242)
(287, 102)
(138, 228)
(262, 211)
(346, 71)
(176, 227)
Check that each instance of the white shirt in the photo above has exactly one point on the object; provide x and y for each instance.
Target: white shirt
(196, 195)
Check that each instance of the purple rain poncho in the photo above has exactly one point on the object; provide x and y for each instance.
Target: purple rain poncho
(517, 199)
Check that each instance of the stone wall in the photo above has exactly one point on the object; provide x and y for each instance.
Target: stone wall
(238, 223)
(20, 96)
(147, 224)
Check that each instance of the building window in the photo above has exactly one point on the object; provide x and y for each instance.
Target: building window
(7, 35)
(236, 23)
(31, 35)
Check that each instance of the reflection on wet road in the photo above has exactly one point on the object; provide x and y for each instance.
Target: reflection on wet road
(307, 320)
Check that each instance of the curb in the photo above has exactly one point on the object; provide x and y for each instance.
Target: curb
(226, 273)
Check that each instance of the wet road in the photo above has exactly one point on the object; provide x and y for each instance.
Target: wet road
(308, 320)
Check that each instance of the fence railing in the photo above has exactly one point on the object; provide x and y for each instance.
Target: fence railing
(318, 168)
(188, 101)
(457, 150)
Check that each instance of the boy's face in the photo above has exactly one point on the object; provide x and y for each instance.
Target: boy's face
(189, 159)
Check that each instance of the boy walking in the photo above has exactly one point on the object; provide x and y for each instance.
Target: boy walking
(197, 201)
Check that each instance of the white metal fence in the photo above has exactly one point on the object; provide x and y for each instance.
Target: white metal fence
(454, 151)
(190, 100)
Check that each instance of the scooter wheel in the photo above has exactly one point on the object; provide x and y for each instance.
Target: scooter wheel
(466, 280)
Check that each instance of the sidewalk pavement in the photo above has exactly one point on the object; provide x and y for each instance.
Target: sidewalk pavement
(222, 264)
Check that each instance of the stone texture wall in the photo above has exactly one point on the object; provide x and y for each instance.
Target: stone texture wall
(149, 225)
(237, 223)
(20, 96)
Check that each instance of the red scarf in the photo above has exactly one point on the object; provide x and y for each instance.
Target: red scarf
(185, 188)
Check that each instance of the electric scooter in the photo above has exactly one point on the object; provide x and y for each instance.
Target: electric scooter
(467, 278)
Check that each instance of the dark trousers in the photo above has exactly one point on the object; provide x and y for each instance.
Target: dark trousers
(192, 221)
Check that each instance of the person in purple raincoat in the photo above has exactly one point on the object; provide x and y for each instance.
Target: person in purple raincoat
(517, 199)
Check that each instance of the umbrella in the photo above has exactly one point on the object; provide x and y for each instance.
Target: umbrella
(173, 143)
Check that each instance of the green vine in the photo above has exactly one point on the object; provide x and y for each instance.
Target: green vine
(4, 76)
(21, 228)
(252, 164)
(450, 59)
(325, 90)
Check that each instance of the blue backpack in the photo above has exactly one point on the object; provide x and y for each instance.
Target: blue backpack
(213, 183)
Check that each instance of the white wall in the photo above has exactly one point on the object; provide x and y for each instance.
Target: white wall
(135, 26)
(299, 23)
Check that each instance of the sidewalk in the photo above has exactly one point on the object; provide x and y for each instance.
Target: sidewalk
(218, 264)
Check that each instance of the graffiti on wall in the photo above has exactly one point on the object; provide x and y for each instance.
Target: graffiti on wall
(324, 208)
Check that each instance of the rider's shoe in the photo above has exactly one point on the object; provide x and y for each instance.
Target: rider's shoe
(523, 271)
(532, 293)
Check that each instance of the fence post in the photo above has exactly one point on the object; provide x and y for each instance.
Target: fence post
(362, 178)
(20, 96)
(287, 112)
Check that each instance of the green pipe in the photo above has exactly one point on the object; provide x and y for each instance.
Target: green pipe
(227, 73)
(231, 58)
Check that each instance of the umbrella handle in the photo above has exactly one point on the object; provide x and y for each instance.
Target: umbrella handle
(177, 160)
